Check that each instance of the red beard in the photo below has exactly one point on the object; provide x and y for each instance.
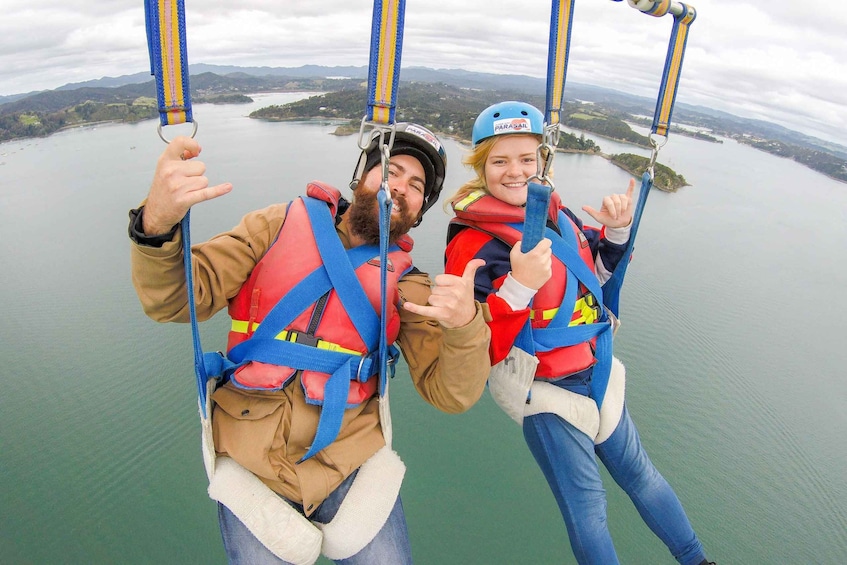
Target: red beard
(364, 217)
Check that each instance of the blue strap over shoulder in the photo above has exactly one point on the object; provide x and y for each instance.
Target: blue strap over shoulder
(559, 332)
(337, 273)
(612, 287)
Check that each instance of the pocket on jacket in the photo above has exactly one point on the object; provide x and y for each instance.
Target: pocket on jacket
(249, 426)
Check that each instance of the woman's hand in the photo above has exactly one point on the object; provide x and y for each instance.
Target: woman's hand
(616, 209)
(534, 268)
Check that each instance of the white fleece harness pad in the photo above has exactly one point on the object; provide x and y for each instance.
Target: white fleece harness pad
(512, 386)
(283, 530)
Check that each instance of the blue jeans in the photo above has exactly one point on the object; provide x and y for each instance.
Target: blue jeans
(566, 456)
(389, 547)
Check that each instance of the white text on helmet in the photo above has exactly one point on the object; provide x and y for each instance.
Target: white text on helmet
(512, 125)
(431, 139)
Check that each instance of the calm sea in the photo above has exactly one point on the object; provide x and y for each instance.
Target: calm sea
(733, 335)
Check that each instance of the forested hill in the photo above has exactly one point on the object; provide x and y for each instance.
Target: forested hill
(600, 111)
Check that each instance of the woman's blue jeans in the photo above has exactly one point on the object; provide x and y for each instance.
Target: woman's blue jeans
(389, 547)
(566, 456)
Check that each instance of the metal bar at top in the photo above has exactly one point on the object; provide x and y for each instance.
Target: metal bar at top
(653, 6)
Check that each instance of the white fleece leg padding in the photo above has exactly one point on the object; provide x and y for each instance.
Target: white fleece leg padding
(578, 410)
(581, 411)
(207, 441)
(385, 415)
(366, 507)
(509, 382)
(280, 528)
(612, 408)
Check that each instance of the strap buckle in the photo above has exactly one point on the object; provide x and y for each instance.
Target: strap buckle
(303, 339)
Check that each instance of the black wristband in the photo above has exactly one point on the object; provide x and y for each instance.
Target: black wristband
(136, 230)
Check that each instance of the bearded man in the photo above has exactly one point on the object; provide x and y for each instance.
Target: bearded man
(288, 451)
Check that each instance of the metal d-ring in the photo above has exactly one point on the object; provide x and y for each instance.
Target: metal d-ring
(166, 140)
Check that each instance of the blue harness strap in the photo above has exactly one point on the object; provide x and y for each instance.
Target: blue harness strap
(558, 50)
(337, 273)
(684, 16)
(535, 218)
(359, 309)
(200, 360)
(165, 24)
(383, 82)
(559, 332)
(612, 287)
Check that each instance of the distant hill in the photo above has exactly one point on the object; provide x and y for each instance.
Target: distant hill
(41, 113)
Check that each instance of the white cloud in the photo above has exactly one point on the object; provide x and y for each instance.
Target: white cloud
(779, 61)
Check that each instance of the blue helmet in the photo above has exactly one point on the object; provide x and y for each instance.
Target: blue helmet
(507, 117)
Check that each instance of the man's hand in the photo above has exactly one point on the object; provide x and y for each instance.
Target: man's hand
(178, 184)
(452, 298)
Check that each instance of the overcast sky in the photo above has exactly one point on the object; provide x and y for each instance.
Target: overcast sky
(784, 61)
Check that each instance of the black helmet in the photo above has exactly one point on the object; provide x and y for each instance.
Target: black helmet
(418, 142)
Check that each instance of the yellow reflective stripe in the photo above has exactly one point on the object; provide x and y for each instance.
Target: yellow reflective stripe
(545, 314)
(240, 326)
(585, 308)
(469, 199)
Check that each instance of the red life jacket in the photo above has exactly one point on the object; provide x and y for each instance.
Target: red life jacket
(290, 258)
(500, 220)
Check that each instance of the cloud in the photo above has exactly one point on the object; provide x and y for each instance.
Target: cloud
(778, 61)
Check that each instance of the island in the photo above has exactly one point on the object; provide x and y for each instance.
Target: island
(446, 101)
(451, 112)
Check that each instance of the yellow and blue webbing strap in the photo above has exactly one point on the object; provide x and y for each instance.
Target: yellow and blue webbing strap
(169, 59)
(538, 195)
(559, 332)
(384, 65)
(383, 83)
(672, 71)
(166, 44)
(214, 360)
(165, 25)
(561, 22)
(683, 15)
(612, 287)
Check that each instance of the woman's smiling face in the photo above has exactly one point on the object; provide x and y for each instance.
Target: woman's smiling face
(510, 164)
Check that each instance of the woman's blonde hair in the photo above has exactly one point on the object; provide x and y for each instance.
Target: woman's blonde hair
(476, 160)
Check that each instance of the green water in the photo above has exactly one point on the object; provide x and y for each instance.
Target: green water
(733, 323)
